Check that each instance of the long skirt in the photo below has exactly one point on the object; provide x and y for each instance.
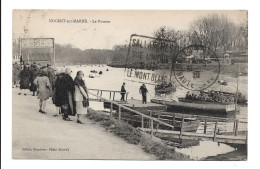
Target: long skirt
(80, 109)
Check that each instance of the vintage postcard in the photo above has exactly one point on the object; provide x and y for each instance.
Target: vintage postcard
(130, 84)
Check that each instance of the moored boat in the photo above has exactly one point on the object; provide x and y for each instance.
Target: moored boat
(197, 106)
(165, 88)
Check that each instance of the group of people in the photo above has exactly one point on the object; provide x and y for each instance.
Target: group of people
(69, 96)
(142, 90)
(24, 75)
(211, 96)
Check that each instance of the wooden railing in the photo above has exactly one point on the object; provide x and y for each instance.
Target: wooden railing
(143, 116)
(160, 122)
(206, 119)
(100, 92)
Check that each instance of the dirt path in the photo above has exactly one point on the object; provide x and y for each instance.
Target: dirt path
(38, 136)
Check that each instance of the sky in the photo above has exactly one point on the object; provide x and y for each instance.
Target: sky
(120, 24)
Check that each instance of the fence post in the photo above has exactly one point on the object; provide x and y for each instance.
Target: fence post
(109, 95)
(100, 95)
(182, 122)
(111, 108)
(157, 125)
(150, 113)
(119, 112)
(114, 96)
(246, 136)
(126, 96)
(236, 128)
(152, 127)
(205, 126)
(173, 118)
(142, 122)
(215, 130)
(97, 92)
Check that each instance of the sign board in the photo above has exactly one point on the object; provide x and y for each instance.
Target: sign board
(149, 59)
(148, 52)
(37, 43)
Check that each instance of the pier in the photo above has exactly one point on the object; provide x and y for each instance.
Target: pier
(152, 118)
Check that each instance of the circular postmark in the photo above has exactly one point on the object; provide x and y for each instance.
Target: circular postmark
(196, 67)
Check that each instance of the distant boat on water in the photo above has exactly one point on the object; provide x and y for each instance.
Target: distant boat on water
(165, 88)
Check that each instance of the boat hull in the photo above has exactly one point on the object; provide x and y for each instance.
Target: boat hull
(201, 108)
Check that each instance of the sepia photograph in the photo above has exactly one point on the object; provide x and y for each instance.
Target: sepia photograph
(130, 85)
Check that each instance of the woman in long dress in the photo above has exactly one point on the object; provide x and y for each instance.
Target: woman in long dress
(43, 84)
(80, 96)
(25, 79)
(57, 73)
(34, 72)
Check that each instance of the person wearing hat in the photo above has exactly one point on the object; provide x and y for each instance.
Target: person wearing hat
(68, 107)
(80, 96)
(57, 72)
(43, 84)
(34, 72)
(123, 91)
(60, 93)
(51, 73)
(25, 78)
(143, 90)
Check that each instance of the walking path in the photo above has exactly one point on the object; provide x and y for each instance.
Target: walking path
(39, 136)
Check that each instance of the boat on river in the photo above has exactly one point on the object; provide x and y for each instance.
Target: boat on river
(231, 97)
(185, 105)
(165, 88)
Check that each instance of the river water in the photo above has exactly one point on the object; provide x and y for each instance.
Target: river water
(113, 79)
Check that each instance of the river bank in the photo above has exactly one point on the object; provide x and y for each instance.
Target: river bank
(151, 145)
(39, 136)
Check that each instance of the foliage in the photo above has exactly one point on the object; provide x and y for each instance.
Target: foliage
(219, 33)
(76, 55)
(214, 31)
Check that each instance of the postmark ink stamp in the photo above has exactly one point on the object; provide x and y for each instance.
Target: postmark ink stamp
(196, 67)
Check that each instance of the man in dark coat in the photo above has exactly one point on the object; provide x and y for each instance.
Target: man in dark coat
(60, 90)
(25, 78)
(70, 88)
(64, 89)
(143, 90)
(34, 72)
(123, 91)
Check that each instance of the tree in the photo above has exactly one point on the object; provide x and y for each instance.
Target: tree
(218, 33)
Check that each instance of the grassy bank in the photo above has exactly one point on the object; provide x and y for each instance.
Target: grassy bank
(151, 145)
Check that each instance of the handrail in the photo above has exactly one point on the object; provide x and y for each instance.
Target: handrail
(108, 90)
(236, 121)
(134, 111)
(200, 117)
